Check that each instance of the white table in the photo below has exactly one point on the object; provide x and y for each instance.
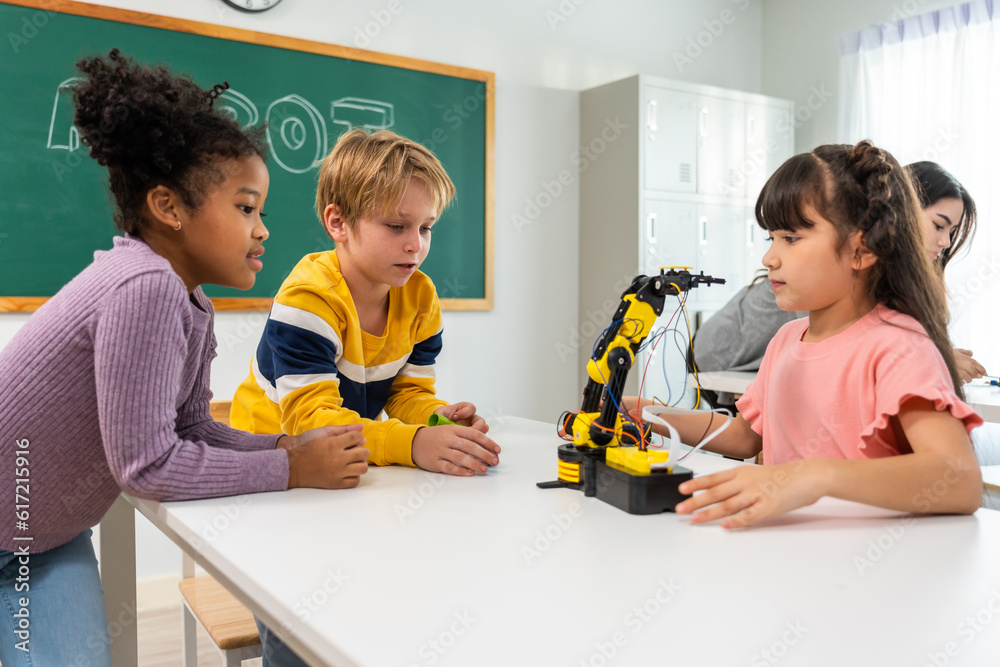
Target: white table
(984, 399)
(732, 382)
(420, 569)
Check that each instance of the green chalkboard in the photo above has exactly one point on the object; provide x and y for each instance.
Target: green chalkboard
(54, 207)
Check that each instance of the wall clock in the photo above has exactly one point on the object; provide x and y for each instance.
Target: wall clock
(252, 5)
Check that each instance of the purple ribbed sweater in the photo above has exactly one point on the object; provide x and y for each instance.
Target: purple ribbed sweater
(109, 384)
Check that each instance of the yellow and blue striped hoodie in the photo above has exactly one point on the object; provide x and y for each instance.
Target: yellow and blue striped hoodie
(314, 366)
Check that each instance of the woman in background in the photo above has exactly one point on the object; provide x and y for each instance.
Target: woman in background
(949, 222)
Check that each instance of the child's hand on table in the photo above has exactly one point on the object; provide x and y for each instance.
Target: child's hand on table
(328, 457)
(463, 414)
(968, 368)
(747, 494)
(456, 449)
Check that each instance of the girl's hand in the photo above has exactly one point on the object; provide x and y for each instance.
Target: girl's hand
(633, 405)
(290, 441)
(968, 368)
(747, 494)
(328, 457)
(465, 414)
(455, 450)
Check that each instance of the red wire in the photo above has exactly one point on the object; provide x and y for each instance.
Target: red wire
(645, 369)
(642, 382)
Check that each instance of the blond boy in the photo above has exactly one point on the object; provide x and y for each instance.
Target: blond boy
(356, 330)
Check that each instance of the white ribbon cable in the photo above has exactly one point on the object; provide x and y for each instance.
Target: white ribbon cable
(651, 413)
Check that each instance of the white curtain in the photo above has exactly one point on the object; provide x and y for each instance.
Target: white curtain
(928, 88)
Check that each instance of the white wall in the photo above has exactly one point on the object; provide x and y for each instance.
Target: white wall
(543, 53)
(800, 58)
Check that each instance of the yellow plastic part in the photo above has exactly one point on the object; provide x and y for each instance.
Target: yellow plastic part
(581, 429)
(598, 370)
(636, 461)
(569, 472)
(641, 318)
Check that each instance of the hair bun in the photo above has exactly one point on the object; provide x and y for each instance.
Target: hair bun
(866, 160)
(872, 168)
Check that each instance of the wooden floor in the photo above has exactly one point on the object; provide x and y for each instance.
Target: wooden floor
(160, 641)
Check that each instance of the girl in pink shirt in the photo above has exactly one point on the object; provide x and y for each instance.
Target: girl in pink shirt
(862, 399)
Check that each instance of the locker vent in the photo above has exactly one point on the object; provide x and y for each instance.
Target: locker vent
(685, 172)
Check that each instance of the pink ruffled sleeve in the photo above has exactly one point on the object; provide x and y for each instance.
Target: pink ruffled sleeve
(750, 404)
(900, 378)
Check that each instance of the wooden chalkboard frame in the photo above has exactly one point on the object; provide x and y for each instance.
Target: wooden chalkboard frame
(30, 304)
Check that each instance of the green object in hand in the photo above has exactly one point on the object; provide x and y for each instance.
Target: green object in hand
(436, 420)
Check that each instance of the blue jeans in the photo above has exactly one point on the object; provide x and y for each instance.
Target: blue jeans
(275, 653)
(63, 622)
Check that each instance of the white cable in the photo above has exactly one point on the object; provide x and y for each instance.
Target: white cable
(651, 413)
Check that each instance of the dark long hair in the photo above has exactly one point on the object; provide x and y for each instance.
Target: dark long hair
(933, 183)
(863, 188)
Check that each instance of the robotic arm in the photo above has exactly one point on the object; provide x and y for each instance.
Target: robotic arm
(608, 457)
(596, 425)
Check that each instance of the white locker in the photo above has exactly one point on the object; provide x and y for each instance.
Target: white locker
(665, 375)
(721, 252)
(768, 144)
(757, 244)
(668, 121)
(669, 235)
(721, 139)
(673, 190)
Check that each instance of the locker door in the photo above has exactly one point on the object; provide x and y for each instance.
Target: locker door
(769, 144)
(660, 370)
(722, 253)
(669, 236)
(756, 245)
(669, 143)
(721, 141)
(666, 374)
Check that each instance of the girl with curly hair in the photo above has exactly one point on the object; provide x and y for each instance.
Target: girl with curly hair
(107, 384)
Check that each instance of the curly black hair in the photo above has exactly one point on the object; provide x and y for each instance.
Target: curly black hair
(151, 127)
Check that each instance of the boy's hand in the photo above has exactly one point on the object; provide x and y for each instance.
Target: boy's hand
(328, 457)
(748, 494)
(455, 450)
(465, 414)
(968, 368)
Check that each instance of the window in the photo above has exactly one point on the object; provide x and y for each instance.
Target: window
(925, 88)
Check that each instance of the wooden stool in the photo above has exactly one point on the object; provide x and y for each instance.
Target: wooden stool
(225, 619)
(206, 601)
